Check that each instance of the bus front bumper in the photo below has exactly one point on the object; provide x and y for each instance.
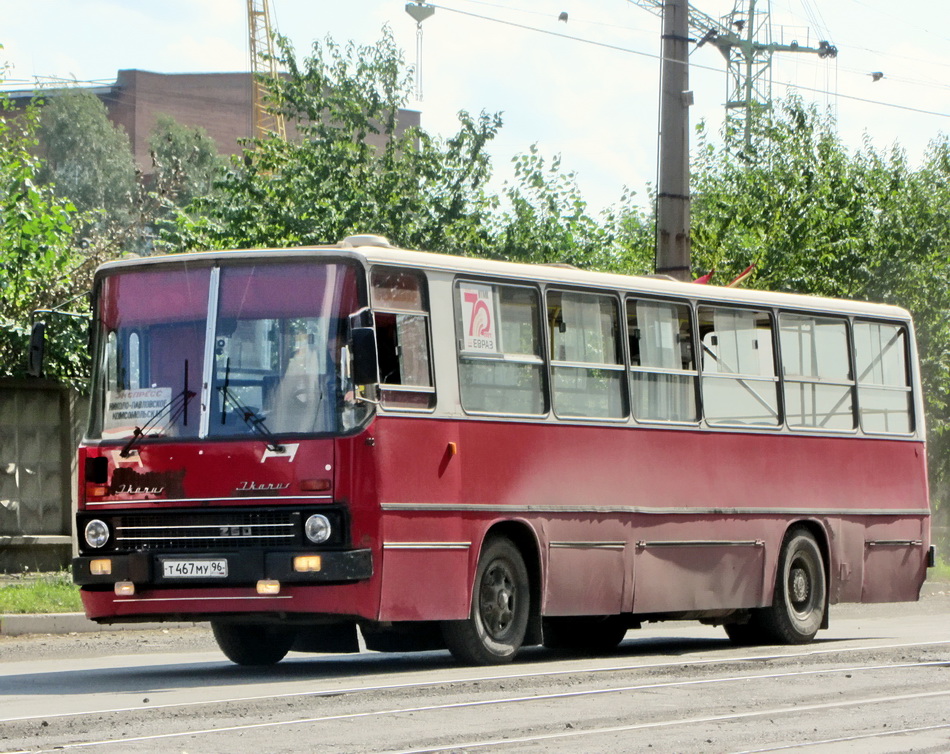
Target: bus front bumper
(223, 568)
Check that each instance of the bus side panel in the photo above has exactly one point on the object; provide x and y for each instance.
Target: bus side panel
(846, 569)
(584, 486)
(427, 559)
(685, 564)
(428, 562)
(892, 547)
(589, 564)
(584, 580)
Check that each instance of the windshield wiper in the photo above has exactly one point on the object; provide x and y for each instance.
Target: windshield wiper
(250, 417)
(177, 406)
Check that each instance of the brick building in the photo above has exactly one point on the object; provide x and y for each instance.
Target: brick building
(220, 103)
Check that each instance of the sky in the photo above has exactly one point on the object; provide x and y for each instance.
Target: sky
(584, 89)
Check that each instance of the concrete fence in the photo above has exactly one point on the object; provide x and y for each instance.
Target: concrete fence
(40, 426)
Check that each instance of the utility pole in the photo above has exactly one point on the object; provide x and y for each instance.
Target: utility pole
(744, 37)
(672, 202)
(745, 41)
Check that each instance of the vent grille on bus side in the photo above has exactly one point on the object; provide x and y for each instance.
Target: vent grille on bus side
(211, 531)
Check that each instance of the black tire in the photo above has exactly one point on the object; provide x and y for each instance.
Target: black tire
(246, 644)
(801, 598)
(584, 634)
(495, 629)
(744, 634)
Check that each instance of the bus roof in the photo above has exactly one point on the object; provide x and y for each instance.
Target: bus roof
(375, 252)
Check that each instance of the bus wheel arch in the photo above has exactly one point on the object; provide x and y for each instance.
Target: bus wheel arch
(820, 533)
(525, 539)
(800, 589)
(504, 599)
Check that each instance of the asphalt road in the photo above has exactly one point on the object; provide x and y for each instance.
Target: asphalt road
(877, 681)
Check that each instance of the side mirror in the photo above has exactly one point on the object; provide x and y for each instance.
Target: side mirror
(365, 366)
(34, 366)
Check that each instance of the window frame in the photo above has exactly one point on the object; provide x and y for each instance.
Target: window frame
(740, 377)
(619, 367)
(910, 388)
(631, 299)
(538, 360)
(426, 313)
(804, 380)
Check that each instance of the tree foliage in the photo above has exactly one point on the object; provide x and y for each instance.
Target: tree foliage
(186, 161)
(87, 159)
(41, 266)
(544, 218)
(354, 167)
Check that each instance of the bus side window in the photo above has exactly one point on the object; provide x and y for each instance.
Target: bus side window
(587, 367)
(885, 399)
(501, 370)
(401, 312)
(739, 382)
(816, 367)
(662, 366)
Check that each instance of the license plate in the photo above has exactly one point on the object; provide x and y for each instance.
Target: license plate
(195, 569)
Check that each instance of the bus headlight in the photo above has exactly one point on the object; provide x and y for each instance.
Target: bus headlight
(317, 528)
(97, 533)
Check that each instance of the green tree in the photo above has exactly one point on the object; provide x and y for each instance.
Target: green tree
(186, 160)
(40, 265)
(801, 212)
(544, 218)
(87, 159)
(352, 168)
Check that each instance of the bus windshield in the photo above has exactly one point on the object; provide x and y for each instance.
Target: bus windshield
(277, 361)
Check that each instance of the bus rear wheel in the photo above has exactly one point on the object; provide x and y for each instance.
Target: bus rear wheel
(798, 607)
(248, 644)
(800, 599)
(495, 629)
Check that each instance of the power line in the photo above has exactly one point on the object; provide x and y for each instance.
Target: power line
(654, 56)
(549, 33)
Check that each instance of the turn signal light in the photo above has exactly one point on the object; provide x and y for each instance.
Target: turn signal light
(307, 563)
(124, 588)
(268, 587)
(96, 490)
(314, 485)
(102, 567)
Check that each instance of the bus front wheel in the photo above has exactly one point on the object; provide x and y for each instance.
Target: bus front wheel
(248, 644)
(495, 629)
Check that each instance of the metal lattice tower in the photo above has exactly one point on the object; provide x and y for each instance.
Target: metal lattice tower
(744, 37)
(263, 70)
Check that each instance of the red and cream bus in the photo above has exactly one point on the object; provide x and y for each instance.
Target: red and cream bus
(454, 452)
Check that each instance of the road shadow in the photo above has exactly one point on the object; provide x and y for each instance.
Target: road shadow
(149, 678)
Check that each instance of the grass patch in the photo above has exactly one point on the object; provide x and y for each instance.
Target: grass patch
(43, 593)
(940, 573)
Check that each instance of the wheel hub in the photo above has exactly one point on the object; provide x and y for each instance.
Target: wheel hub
(798, 581)
(497, 602)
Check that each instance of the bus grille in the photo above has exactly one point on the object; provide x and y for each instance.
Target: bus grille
(211, 531)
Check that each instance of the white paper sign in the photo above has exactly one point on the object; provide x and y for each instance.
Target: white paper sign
(478, 318)
(133, 408)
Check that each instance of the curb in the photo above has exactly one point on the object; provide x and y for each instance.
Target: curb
(71, 623)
